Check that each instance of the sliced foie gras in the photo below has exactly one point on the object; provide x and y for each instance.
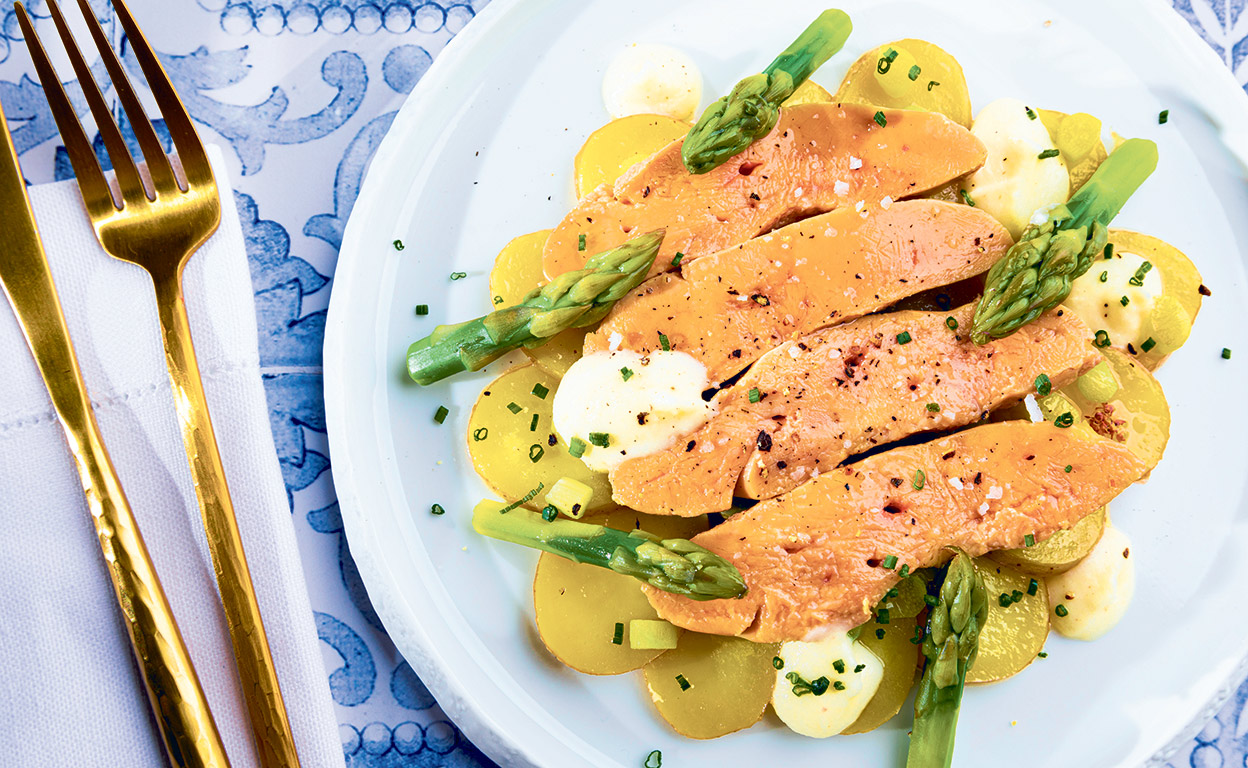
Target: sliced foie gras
(822, 555)
(729, 308)
(812, 402)
(818, 157)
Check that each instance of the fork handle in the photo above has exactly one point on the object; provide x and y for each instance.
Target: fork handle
(266, 710)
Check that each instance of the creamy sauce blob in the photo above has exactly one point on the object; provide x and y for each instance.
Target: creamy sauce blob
(852, 672)
(1094, 595)
(651, 79)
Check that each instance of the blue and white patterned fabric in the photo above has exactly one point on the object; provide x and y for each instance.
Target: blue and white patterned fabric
(300, 93)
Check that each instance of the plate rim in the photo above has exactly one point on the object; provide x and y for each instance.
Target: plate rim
(414, 642)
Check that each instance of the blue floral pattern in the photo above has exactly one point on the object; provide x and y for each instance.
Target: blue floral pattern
(275, 110)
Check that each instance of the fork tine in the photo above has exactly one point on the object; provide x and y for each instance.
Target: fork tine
(157, 163)
(128, 178)
(95, 190)
(185, 139)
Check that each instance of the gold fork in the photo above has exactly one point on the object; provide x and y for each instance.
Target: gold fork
(158, 229)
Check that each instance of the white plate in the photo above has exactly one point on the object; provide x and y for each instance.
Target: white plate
(482, 151)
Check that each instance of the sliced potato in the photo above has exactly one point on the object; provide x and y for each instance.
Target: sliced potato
(901, 665)
(1181, 283)
(939, 85)
(1078, 136)
(809, 92)
(1058, 553)
(1137, 415)
(512, 458)
(1012, 636)
(730, 682)
(577, 605)
(517, 271)
(619, 145)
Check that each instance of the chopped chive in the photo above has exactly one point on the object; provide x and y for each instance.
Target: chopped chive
(1031, 113)
(440, 415)
(654, 760)
(1148, 344)
(879, 634)
(1029, 540)
(523, 500)
(933, 407)
(966, 197)
(1068, 468)
(1226, 353)
(952, 322)
(481, 433)
(580, 242)
(931, 600)
(1064, 421)
(1124, 301)
(664, 343)
(458, 275)
(1102, 339)
(1032, 587)
(882, 616)
(920, 479)
(1016, 596)
(838, 685)
(422, 310)
(931, 84)
(1138, 278)
(885, 62)
(549, 513)
(626, 373)
(881, 119)
(514, 408)
(540, 391)
(918, 635)
(536, 452)
(1104, 277)
(677, 258)
(1163, 117)
(1046, 154)
(618, 637)
(905, 570)
(904, 337)
(1004, 601)
(890, 562)
(437, 509)
(498, 299)
(600, 439)
(1109, 251)
(859, 668)
(914, 72)
(777, 662)
(533, 423)
(398, 244)
(1044, 385)
(683, 683)
(576, 447)
(839, 666)
(1043, 654)
(1061, 611)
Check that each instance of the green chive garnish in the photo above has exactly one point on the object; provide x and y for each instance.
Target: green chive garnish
(1109, 251)
(440, 415)
(677, 258)
(533, 424)
(536, 452)
(1046, 154)
(580, 242)
(933, 407)
(540, 391)
(1061, 611)
(859, 668)
(1102, 339)
(524, 500)
(576, 447)
(683, 683)
(1138, 279)
(1031, 113)
(931, 84)
(1163, 117)
(966, 197)
(1064, 421)
(904, 337)
(618, 637)
(1044, 385)
(664, 343)
(931, 600)
(1148, 344)
(549, 513)
(881, 119)
(654, 760)
(920, 479)
(1226, 353)
(514, 408)
(422, 310)
(437, 509)
(1124, 301)
(952, 322)
(890, 562)
(398, 244)
(777, 662)
(481, 433)
(1004, 601)
(498, 299)
(1029, 540)
(838, 685)
(914, 72)
(1043, 654)
(1068, 468)
(626, 373)
(839, 666)
(1104, 277)
(905, 570)
(1032, 587)
(882, 616)
(600, 439)
(879, 634)
(458, 275)
(755, 395)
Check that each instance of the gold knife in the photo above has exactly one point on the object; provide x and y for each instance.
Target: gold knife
(186, 726)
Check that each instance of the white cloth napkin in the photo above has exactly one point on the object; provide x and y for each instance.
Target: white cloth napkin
(70, 692)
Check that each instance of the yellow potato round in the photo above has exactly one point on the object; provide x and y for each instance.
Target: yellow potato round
(1179, 279)
(517, 271)
(864, 84)
(1078, 136)
(619, 145)
(809, 92)
(1137, 415)
(1011, 637)
(901, 665)
(504, 448)
(1058, 553)
(730, 682)
(577, 605)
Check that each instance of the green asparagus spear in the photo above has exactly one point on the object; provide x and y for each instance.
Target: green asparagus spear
(672, 565)
(750, 111)
(1036, 274)
(572, 300)
(950, 646)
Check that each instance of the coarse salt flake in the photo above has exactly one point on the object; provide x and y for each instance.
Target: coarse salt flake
(994, 492)
(855, 163)
(840, 188)
(983, 508)
(956, 482)
(614, 341)
(886, 203)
